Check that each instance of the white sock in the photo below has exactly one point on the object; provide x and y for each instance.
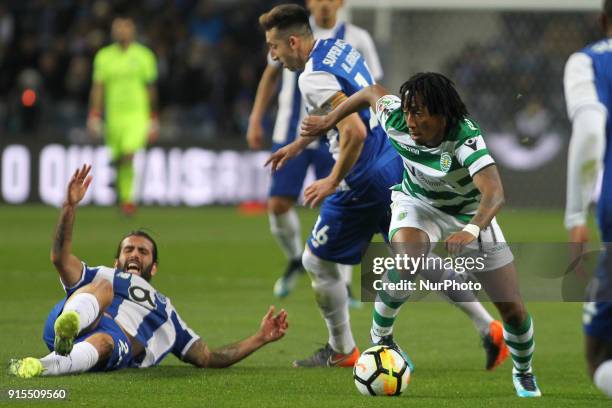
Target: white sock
(347, 273)
(82, 358)
(87, 307)
(286, 228)
(479, 315)
(332, 298)
(603, 377)
(333, 302)
(381, 309)
(464, 300)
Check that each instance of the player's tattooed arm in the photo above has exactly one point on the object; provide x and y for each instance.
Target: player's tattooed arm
(67, 265)
(366, 98)
(272, 328)
(220, 358)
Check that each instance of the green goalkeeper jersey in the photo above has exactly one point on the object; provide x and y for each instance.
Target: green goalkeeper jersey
(125, 75)
(441, 176)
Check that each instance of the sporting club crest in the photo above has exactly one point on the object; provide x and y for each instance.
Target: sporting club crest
(445, 162)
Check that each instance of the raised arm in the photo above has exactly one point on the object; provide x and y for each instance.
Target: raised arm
(67, 265)
(271, 329)
(265, 91)
(313, 126)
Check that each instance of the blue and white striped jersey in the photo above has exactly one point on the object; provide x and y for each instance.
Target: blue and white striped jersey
(291, 110)
(335, 66)
(588, 84)
(144, 313)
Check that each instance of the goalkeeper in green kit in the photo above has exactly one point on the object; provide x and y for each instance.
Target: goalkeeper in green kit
(124, 75)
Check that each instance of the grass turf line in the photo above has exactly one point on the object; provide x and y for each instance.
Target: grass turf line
(218, 267)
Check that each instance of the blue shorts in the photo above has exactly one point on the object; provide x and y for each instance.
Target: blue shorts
(348, 220)
(122, 352)
(597, 317)
(288, 181)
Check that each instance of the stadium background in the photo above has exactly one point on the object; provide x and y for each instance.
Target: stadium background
(218, 264)
(506, 57)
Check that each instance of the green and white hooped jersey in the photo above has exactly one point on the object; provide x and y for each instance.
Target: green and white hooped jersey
(440, 176)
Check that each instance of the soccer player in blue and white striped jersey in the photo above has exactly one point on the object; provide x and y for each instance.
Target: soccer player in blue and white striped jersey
(288, 181)
(113, 318)
(588, 93)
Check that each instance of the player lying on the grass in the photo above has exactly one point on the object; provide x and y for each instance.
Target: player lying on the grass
(113, 318)
(355, 196)
(451, 190)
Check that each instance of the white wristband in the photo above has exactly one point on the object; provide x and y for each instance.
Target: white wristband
(472, 229)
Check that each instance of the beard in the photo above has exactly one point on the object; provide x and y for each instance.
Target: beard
(143, 271)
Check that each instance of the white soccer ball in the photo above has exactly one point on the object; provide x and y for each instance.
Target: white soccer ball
(381, 370)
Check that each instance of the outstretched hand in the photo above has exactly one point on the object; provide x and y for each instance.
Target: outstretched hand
(78, 185)
(273, 327)
(313, 126)
(315, 193)
(280, 157)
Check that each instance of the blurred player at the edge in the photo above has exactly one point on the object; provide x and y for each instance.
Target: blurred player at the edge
(123, 91)
(588, 93)
(288, 181)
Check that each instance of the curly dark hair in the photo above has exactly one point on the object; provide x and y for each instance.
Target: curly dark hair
(437, 93)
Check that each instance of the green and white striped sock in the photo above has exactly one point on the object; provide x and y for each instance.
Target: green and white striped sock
(386, 308)
(521, 344)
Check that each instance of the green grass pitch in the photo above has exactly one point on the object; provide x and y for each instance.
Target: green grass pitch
(218, 267)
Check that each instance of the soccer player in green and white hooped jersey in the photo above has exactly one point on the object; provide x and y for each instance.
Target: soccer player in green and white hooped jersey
(450, 191)
(124, 75)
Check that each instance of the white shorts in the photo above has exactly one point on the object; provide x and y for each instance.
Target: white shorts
(410, 212)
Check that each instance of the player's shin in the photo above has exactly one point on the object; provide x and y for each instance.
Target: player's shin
(467, 302)
(386, 308)
(86, 305)
(332, 298)
(519, 339)
(286, 229)
(82, 358)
